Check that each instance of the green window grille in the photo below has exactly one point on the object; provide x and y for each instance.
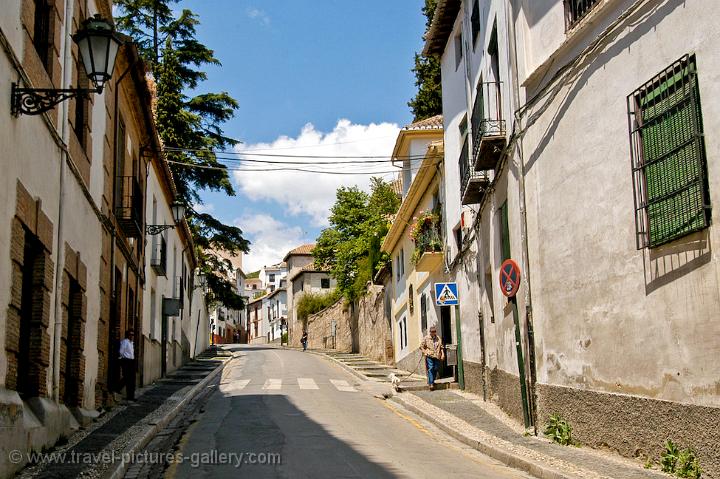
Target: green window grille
(668, 156)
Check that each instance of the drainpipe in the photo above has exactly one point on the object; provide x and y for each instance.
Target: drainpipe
(513, 54)
(67, 67)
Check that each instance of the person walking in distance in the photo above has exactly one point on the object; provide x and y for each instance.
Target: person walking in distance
(304, 340)
(434, 352)
(127, 364)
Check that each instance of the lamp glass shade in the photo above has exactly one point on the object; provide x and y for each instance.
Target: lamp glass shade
(178, 212)
(98, 45)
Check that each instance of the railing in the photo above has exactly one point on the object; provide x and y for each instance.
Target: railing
(486, 117)
(158, 260)
(129, 206)
(575, 10)
(471, 180)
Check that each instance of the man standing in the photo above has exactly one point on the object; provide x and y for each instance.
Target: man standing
(434, 352)
(304, 340)
(127, 364)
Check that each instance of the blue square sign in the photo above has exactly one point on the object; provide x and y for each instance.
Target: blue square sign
(446, 294)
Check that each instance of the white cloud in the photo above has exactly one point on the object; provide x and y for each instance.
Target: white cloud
(312, 193)
(259, 15)
(271, 240)
(205, 208)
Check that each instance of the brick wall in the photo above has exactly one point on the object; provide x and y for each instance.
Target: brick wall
(375, 334)
(319, 328)
(74, 318)
(29, 222)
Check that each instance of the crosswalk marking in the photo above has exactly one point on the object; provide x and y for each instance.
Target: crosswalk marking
(234, 386)
(342, 385)
(307, 383)
(273, 384)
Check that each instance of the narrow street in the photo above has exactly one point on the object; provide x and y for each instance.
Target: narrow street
(320, 422)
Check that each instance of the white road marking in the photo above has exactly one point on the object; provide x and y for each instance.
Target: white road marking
(273, 384)
(307, 383)
(343, 385)
(234, 386)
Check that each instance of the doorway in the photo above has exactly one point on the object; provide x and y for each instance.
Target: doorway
(446, 335)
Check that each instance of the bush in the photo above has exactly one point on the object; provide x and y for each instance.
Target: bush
(681, 463)
(559, 430)
(284, 338)
(311, 303)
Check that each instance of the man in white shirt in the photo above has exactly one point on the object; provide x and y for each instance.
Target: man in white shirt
(127, 364)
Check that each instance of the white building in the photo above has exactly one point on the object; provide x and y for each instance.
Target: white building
(271, 276)
(295, 259)
(274, 307)
(617, 307)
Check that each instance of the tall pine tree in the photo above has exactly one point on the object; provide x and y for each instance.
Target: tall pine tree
(189, 127)
(428, 100)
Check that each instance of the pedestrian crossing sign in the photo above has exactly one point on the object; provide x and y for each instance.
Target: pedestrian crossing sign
(446, 294)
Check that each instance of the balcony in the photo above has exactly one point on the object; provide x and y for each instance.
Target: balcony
(473, 183)
(429, 245)
(158, 259)
(575, 10)
(129, 207)
(488, 127)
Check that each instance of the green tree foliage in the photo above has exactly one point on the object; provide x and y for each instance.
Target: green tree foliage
(311, 303)
(350, 247)
(190, 127)
(428, 100)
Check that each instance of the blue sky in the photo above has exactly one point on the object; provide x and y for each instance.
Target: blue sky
(323, 77)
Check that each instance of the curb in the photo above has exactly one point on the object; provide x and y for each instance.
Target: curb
(119, 471)
(507, 458)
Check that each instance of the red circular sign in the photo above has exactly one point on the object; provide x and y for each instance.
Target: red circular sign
(509, 278)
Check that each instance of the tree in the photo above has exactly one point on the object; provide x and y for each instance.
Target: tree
(428, 100)
(350, 247)
(190, 127)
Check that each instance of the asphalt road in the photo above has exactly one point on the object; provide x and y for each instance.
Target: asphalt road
(310, 418)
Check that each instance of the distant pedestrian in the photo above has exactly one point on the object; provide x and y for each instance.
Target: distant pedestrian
(127, 364)
(434, 352)
(304, 340)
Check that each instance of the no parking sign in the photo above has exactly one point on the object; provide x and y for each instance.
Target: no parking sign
(509, 278)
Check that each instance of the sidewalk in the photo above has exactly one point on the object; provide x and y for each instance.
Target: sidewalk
(98, 450)
(477, 424)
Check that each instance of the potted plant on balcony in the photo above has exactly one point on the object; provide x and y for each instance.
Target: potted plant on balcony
(425, 233)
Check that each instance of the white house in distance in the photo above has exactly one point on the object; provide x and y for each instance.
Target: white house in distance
(271, 276)
(274, 307)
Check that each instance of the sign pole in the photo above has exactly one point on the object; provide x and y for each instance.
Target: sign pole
(460, 368)
(521, 362)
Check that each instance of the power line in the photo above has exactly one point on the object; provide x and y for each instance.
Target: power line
(322, 144)
(369, 157)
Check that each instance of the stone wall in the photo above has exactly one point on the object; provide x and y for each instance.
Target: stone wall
(634, 426)
(319, 328)
(374, 331)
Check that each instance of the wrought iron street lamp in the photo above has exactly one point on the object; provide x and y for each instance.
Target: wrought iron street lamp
(98, 44)
(178, 211)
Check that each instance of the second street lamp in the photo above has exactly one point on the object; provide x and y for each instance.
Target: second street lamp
(98, 44)
(178, 211)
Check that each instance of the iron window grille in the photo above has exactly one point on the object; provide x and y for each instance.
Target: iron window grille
(669, 165)
(575, 10)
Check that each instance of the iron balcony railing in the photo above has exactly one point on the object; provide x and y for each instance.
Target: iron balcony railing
(472, 182)
(158, 260)
(575, 10)
(486, 121)
(129, 208)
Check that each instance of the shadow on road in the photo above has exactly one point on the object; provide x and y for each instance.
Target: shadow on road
(273, 426)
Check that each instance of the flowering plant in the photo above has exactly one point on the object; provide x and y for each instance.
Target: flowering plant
(425, 233)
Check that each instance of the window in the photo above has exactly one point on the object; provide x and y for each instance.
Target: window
(82, 108)
(272, 277)
(475, 22)
(402, 262)
(411, 299)
(41, 32)
(575, 10)
(423, 313)
(504, 231)
(325, 283)
(458, 50)
(457, 232)
(668, 156)
(403, 333)
(153, 314)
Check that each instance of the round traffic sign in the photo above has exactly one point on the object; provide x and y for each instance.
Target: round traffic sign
(509, 278)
